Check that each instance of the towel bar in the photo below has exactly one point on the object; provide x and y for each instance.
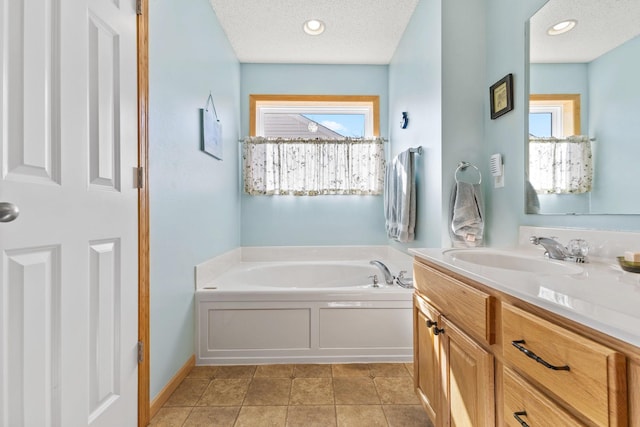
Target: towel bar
(416, 150)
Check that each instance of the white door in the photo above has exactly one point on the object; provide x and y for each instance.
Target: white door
(68, 268)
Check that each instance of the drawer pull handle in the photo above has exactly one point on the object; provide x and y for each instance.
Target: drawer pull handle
(532, 355)
(517, 416)
(431, 324)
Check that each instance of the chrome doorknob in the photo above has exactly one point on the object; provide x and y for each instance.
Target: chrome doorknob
(8, 212)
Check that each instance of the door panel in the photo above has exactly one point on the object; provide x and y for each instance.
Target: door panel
(68, 279)
(31, 327)
(104, 325)
(32, 63)
(468, 380)
(426, 358)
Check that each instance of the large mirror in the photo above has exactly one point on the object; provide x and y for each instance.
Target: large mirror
(596, 65)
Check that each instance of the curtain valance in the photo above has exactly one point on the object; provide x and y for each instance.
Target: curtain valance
(310, 167)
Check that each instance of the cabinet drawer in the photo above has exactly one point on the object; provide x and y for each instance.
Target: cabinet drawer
(523, 400)
(465, 306)
(588, 376)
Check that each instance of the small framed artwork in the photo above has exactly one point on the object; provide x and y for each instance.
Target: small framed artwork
(501, 96)
(211, 130)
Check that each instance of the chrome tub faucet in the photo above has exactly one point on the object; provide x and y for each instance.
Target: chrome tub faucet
(388, 277)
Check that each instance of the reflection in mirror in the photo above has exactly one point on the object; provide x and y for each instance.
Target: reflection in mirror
(594, 66)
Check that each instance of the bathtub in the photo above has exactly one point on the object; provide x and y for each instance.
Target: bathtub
(303, 311)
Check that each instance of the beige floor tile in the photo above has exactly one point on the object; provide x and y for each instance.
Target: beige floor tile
(312, 391)
(311, 416)
(268, 391)
(221, 416)
(226, 372)
(312, 371)
(226, 392)
(188, 392)
(396, 391)
(203, 372)
(262, 416)
(274, 371)
(170, 417)
(360, 416)
(388, 370)
(351, 370)
(355, 391)
(376, 394)
(406, 416)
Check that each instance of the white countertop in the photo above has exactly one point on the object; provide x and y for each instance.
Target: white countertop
(602, 296)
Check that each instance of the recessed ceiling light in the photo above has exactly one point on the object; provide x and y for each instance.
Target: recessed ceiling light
(313, 27)
(562, 27)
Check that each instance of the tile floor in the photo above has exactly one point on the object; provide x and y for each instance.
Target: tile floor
(349, 395)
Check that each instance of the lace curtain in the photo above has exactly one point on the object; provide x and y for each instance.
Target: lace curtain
(309, 167)
(561, 165)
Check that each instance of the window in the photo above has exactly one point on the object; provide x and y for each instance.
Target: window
(313, 145)
(556, 115)
(312, 116)
(560, 160)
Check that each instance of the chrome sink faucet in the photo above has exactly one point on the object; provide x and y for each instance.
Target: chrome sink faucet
(388, 277)
(576, 250)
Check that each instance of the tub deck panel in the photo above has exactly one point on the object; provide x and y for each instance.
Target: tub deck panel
(255, 332)
(365, 328)
(289, 312)
(245, 329)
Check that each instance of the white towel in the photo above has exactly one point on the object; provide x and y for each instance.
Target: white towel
(466, 215)
(400, 198)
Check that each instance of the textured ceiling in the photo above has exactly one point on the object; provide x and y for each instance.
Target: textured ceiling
(368, 31)
(602, 25)
(357, 31)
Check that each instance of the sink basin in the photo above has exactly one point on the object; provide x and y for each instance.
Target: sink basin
(509, 261)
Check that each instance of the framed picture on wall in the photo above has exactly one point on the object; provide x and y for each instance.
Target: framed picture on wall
(211, 130)
(501, 96)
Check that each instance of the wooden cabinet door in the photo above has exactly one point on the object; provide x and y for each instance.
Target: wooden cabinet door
(467, 380)
(426, 358)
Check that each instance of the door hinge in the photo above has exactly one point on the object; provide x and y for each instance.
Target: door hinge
(140, 352)
(139, 177)
(138, 7)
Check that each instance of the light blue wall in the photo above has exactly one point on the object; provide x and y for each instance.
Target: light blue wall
(437, 76)
(463, 96)
(317, 220)
(415, 86)
(506, 54)
(194, 200)
(614, 111)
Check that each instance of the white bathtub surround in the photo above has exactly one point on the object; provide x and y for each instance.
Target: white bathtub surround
(303, 305)
(208, 271)
(217, 266)
(598, 294)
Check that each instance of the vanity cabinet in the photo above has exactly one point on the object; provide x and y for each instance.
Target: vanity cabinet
(453, 373)
(426, 344)
(523, 403)
(484, 358)
(466, 379)
(589, 377)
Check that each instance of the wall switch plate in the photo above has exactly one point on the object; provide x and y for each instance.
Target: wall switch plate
(497, 170)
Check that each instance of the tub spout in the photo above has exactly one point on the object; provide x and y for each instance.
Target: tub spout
(388, 277)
